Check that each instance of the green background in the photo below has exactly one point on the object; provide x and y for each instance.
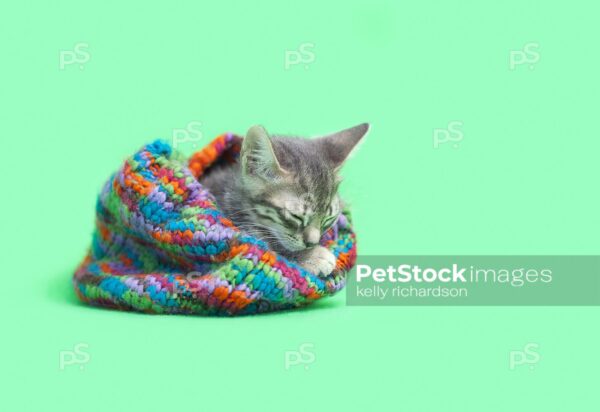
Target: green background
(523, 180)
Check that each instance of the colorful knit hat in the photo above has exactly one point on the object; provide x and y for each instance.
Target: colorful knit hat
(162, 246)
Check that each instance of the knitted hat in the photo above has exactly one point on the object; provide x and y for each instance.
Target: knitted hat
(161, 245)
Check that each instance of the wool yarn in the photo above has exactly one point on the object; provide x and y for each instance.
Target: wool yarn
(161, 245)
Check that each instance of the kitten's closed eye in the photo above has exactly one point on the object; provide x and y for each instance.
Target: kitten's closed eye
(329, 221)
(295, 218)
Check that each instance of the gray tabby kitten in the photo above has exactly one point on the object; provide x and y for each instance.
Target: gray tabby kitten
(284, 191)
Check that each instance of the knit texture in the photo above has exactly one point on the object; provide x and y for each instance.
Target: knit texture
(161, 245)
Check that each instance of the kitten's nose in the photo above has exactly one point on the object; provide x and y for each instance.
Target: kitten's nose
(312, 236)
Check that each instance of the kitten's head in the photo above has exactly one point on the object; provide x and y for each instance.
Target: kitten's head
(292, 184)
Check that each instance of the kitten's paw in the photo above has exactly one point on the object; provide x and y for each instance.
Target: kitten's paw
(318, 260)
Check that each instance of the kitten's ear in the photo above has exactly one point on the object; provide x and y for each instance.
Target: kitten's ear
(257, 156)
(338, 146)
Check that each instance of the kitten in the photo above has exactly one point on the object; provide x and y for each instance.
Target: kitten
(284, 190)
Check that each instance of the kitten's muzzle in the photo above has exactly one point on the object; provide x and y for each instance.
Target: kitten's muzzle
(311, 236)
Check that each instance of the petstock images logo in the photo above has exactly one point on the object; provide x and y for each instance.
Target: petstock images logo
(475, 281)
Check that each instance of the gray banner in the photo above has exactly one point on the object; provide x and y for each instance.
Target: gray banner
(475, 281)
